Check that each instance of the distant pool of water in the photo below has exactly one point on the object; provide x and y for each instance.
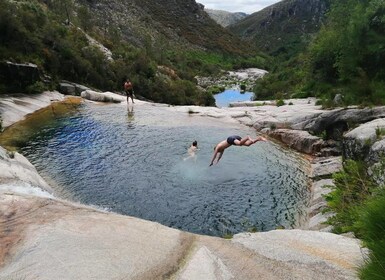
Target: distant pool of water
(131, 162)
(231, 95)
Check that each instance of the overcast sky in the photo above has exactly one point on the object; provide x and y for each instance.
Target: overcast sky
(246, 6)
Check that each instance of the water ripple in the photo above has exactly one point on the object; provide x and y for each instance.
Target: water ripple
(134, 165)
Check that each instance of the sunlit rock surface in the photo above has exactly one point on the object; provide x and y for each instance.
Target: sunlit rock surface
(51, 239)
(14, 108)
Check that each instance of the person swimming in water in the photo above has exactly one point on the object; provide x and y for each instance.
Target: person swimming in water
(192, 151)
(234, 140)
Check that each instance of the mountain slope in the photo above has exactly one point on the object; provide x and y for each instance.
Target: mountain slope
(284, 27)
(225, 18)
(178, 23)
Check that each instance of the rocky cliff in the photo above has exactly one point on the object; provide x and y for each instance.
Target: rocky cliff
(162, 23)
(283, 26)
(225, 18)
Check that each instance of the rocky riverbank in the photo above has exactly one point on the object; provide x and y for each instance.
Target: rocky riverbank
(233, 79)
(43, 237)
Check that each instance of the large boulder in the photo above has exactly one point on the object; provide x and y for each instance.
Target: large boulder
(67, 88)
(101, 96)
(70, 88)
(298, 140)
(343, 119)
(358, 143)
(17, 76)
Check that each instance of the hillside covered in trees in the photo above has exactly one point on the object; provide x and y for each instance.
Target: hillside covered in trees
(346, 57)
(148, 41)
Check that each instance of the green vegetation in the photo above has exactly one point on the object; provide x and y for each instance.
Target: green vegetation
(215, 89)
(359, 204)
(346, 57)
(372, 225)
(280, 102)
(380, 131)
(46, 33)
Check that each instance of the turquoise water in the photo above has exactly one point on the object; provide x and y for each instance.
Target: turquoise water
(131, 162)
(231, 95)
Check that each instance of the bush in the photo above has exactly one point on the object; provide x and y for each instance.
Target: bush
(280, 102)
(37, 87)
(353, 185)
(372, 230)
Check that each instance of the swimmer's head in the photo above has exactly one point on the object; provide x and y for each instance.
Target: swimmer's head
(195, 143)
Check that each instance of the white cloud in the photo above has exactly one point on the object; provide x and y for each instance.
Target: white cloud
(246, 6)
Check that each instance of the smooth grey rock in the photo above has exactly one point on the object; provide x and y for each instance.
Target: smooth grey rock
(343, 118)
(16, 107)
(321, 188)
(205, 265)
(318, 221)
(67, 88)
(101, 96)
(357, 142)
(377, 151)
(338, 99)
(298, 140)
(16, 170)
(307, 250)
(79, 89)
(322, 167)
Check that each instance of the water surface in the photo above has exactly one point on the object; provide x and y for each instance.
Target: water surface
(130, 161)
(232, 95)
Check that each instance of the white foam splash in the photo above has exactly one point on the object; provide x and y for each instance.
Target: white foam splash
(25, 188)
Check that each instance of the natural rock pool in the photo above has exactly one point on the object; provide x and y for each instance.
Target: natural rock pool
(224, 99)
(130, 160)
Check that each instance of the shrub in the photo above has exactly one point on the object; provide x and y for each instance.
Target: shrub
(372, 230)
(353, 185)
(280, 102)
(380, 131)
(37, 87)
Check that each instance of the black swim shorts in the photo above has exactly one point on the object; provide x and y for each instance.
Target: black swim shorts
(231, 139)
(129, 92)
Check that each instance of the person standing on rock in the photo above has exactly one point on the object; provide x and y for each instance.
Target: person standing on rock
(129, 90)
(236, 141)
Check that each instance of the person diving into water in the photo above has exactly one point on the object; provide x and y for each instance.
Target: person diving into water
(234, 140)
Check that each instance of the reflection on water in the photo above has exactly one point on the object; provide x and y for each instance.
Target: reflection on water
(133, 164)
(130, 112)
